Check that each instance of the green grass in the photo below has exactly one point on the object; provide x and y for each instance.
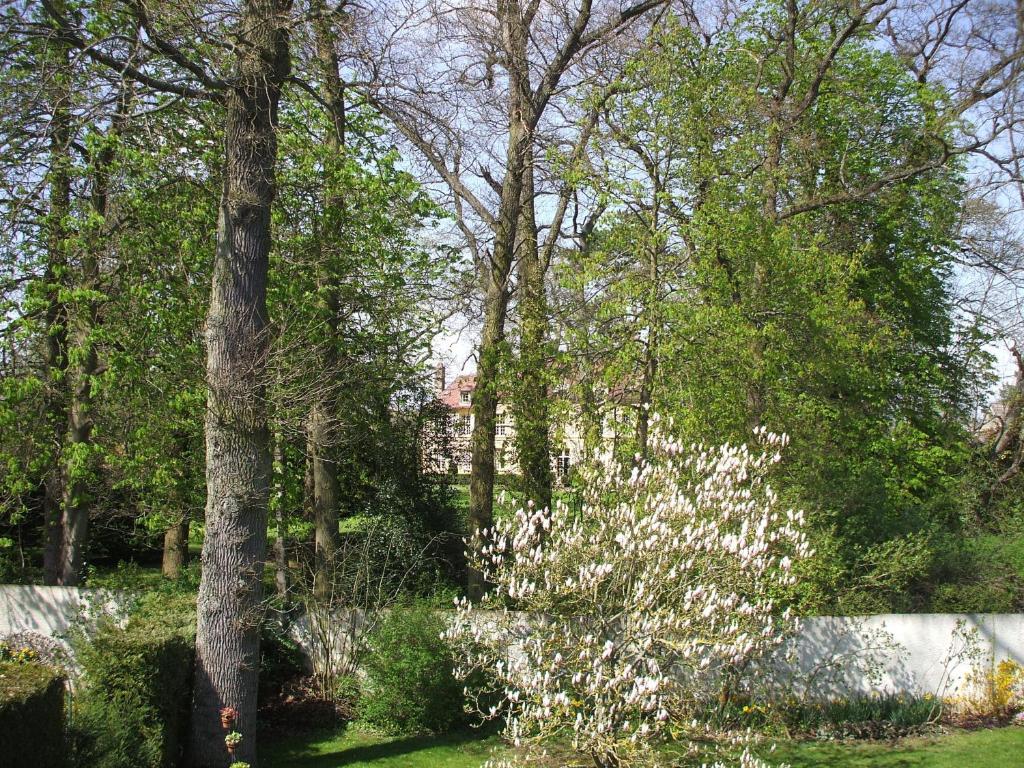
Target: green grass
(352, 748)
(996, 748)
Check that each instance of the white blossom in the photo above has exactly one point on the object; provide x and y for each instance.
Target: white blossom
(636, 600)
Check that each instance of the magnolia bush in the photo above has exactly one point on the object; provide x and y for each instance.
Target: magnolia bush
(616, 620)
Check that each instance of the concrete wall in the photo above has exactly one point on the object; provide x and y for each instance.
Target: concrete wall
(51, 611)
(909, 653)
(831, 656)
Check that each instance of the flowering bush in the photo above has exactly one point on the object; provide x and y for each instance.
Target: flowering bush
(639, 605)
(989, 692)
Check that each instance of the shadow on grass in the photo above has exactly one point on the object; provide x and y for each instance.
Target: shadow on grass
(350, 747)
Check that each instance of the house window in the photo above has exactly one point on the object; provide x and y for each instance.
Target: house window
(463, 426)
(464, 396)
(562, 465)
(501, 426)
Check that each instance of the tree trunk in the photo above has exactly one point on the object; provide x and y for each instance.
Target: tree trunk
(56, 312)
(277, 503)
(325, 496)
(652, 310)
(78, 462)
(496, 274)
(323, 417)
(176, 548)
(238, 463)
(531, 411)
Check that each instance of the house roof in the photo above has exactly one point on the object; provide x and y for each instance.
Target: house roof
(625, 393)
(452, 394)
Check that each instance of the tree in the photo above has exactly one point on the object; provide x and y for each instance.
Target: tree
(633, 609)
(56, 320)
(323, 412)
(237, 448)
(66, 196)
(514, 58)
(237, 437)
(780, 229)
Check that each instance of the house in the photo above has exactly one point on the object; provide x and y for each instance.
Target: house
(457, 395)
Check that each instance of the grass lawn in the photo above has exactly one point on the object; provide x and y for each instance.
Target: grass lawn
(997, 748)
(353, 747)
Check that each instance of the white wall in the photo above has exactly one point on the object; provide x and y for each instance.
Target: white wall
(910, 653)
(51, 611)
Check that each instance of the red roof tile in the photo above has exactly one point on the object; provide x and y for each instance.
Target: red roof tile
(452, 395)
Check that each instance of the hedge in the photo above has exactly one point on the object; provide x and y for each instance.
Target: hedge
(132, 711)
(31, 716)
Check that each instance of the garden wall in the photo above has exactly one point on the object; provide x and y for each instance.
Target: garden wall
(900, 653)
(911, 653)
(830, 657)
(51, 611)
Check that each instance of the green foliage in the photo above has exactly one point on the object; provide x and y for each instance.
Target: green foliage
(31, 715)
(726, 305)
(137, 687)
(864, 717)
(981, 573)
(410, 687)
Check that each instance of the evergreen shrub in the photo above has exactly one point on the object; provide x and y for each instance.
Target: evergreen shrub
(132, 709)
(31, 716)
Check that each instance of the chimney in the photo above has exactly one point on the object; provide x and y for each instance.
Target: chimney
(439, 381)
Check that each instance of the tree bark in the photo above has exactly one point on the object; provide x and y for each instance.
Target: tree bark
(56, 312)
(325, 495)
(496, 275)
(176, 548)
(532, 419)
(277, 503)
(238, 463)
(323, 417)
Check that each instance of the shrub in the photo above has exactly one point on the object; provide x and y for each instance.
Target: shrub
(137, 687)
(990, 693)
(654, 596)
(410, 687)
(31, 716)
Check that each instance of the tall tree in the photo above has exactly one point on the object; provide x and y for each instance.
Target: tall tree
(515, 59)
(237, 436)
(237, 439)
(801, 231)
(529, 395)
(322, 426)
(56, 319)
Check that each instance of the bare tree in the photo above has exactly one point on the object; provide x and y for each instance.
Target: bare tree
(469, 85)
